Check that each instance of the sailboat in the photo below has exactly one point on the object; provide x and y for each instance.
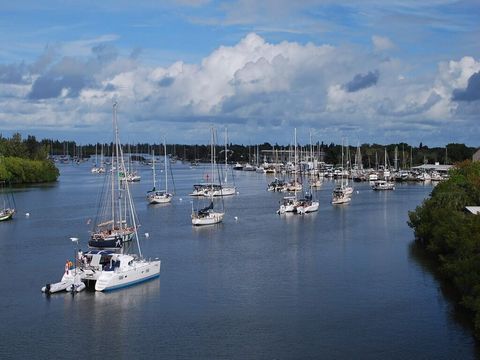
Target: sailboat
(307, 204)
(341, 194)
(7, 205)
(155, 196)
(115, 222)
(98, 169)
(207, 215)
(384, 184)
(289, 203)
(348, 189)
(213, 189)
(226, 189)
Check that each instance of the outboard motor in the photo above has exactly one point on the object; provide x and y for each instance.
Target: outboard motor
(47, 289)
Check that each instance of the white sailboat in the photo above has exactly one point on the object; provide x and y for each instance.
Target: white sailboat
(115, 223)
(289, 203)
(155, 196)
(226, 189)
(384, 184)
(7, 203)
(341, 194)
(307, 204)
(207, 215)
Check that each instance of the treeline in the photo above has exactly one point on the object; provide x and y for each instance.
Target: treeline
(24, 161)
(451, 234)
(371, 154)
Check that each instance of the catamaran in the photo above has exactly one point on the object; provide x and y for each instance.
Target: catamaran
(107, 269)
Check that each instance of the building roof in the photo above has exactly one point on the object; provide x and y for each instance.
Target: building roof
(433, 167)
(475, 210)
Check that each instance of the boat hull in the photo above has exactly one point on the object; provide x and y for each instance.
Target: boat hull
(6, 214)
(136, 273)
(160, 199)
(210, 219)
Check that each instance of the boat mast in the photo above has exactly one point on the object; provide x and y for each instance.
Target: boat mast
(295, 163)
(212, 158)
(153, 167)
(226, 154)
(165, 161)
(396, 158)
(342, 167)
(114, 163)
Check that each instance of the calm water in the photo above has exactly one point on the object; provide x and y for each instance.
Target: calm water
(338, 284)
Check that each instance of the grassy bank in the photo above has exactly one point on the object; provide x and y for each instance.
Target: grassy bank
(17, 170)
(451, 235)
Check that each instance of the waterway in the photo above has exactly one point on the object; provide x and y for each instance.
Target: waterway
(341, 283)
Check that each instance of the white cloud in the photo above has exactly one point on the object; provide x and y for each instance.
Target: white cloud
(269, 87)
(382, 43)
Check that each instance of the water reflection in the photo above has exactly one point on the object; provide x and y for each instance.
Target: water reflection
(456, 312)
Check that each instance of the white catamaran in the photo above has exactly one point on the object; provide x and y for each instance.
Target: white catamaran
(108, 269)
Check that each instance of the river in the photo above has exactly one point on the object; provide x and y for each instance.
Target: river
(341, 283)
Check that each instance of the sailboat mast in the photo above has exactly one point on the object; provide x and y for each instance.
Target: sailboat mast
(165, 161)
(120, 167)
(153, 168)
(212, 157)
(295, 164)
(226, 154)
(342, 166)
(113, 172)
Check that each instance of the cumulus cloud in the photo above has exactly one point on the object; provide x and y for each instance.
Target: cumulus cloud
(472, 91)
(65, 78)
(361, 81)
(258, 88)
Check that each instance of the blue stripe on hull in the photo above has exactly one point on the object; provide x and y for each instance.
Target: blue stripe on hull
(131, 283)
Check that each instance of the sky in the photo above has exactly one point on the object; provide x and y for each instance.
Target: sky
(365, 71)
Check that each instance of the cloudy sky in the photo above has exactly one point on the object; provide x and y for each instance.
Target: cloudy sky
(369, 71)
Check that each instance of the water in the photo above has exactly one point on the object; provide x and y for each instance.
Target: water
(338, 284)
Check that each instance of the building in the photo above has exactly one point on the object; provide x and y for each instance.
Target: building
(436, 167)
(476, 155)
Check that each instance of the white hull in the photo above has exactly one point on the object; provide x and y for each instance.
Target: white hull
(96, 170)
(383, 185)
(341, 200)
(286, 209)
(208, 192)
(209, 219)
(132, 273)
(225, 191)
(160, 198)
(312, 207)
(293, 187)
(289, 204)
(6, 214)
(70, 282)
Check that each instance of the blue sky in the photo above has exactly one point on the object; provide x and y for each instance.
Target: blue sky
(369, 71)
